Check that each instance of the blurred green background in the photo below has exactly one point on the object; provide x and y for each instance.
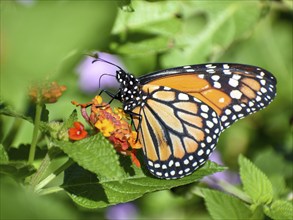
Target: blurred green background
(47, 40)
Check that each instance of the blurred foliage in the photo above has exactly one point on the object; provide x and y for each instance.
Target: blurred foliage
(47, 39)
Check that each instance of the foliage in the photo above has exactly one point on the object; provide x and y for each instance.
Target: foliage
(45, 41)
(260, 201)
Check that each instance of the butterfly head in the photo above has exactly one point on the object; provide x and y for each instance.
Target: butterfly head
(130, 90)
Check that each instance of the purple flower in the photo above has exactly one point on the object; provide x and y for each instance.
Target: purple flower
(26, 2)
(227, 175)
(123, 211)
(91, 74)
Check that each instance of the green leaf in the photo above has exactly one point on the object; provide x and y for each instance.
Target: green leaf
(152, 45)
(21, 153)
(279, 209)
(8, 111)
(221, 24)
(271, 162)
(223, 206)
(18, 170)
(161, 12)
(95, 154)
(87, 190)
(63, 132)
(3, 155)
(72, 118)
(255, 182)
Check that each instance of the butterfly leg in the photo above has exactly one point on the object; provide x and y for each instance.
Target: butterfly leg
(132, 114)
(113, 96)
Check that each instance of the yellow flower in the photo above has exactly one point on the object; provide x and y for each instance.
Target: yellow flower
(132, 140)
(98, 100)
(105, 126)
(120, 113)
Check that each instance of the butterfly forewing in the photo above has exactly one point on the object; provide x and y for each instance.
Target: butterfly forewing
(178, 131)
(232, 90)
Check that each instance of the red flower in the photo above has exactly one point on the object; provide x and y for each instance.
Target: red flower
(77, 132)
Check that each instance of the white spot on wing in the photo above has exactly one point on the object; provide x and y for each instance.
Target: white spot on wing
(200, 152)
(217, 85)
(222, 100)
(204, 108)
(237, 108)
(226, 66)
(183, 96)
(235, 94)
(236, 76)
(215, 77)
(233, 82)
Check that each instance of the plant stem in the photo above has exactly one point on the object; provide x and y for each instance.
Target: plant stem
(197, 191)
(229, 188)
(49, 178)
(35, 133)
(50, 190)
(43, 167)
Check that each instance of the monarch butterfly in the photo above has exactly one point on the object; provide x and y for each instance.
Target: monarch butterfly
(180, 112)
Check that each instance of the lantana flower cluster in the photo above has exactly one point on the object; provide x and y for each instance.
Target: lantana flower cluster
(46, 92)
(112, 123)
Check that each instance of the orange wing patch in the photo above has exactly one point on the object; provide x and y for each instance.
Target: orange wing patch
(196, 120)
(197, 87)
(179, 151)
(166, 114)
(190, 145)
(252, 83)
(147, 140)
(248, 92)
(165, 95)
(187, 106)
(183, 82)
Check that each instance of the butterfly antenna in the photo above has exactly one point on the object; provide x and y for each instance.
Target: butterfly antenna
(105, 61)
(104, 74)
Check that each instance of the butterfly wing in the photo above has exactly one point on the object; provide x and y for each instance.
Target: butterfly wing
(178, 131)
(233, 91)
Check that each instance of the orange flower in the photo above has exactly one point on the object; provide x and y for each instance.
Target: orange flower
(113, 125)
(132, 140)
(77, 132)
(134, 158)
(46, 92)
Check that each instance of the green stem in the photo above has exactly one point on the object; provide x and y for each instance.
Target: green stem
(50, 190)
(197, 191)
(49, 178)
(35, 133)
(41, 170)
(227, 187)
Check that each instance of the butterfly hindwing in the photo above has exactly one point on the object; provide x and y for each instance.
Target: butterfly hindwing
(178, 132)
